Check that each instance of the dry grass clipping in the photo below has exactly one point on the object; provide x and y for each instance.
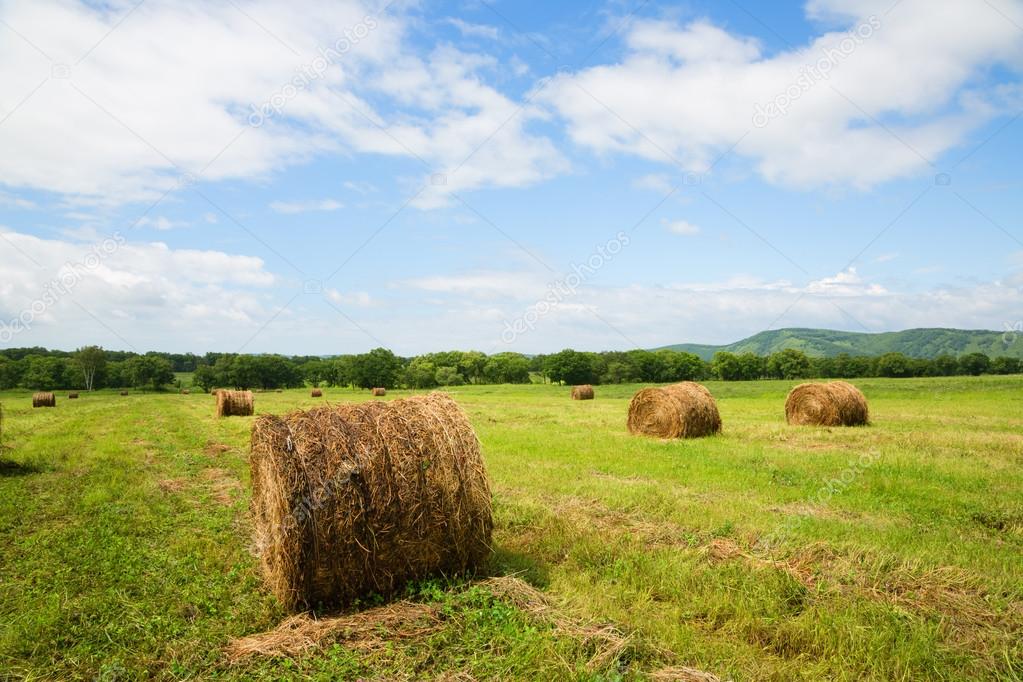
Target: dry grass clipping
(354, 499)
(835, 403)
(682, 674)
(584, 392)
(372, 630)
(235, 404)
(379, 391)
(44, 400)
(684, 410)
(316, 393)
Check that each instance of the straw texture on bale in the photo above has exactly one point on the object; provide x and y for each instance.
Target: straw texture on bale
(684, 410)
(235, 404)
(584, 392)
(354, 499)
(44, 400)
(835, 403)
(316, 393)
(379, 391)
(72, 396)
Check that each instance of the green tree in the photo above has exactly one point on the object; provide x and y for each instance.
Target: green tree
(1005, 365)
(205, 378)
(894, 365)
(92, 362)
(421, 373)
(974, 364)
(788, 364)
(149, 370)
(507, 368)
(571, 367)
(377, 368)
(471, 365)
(726, 366)
(448, 376)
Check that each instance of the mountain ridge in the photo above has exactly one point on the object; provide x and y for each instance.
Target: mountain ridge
(918, 343)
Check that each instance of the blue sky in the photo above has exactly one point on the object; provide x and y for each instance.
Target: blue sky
(196, 176)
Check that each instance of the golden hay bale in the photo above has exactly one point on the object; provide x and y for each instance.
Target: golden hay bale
(684, 410)
(379, 391)
(42, 399)
(584, 392)
(316, 393)
(835, 403)
(124, 392)
(354, 499)
(279, 390)
(235, 404)
(185, 391)
(72, 396)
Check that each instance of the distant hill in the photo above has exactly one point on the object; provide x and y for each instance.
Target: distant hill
(917, 343)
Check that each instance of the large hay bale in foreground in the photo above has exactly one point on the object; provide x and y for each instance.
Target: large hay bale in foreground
(584, 392)
(316, 393)
(235, 404)
(684, 410)
(354, 499)
(72, 396)
(43, 399)
(379, 391)
(835, 403)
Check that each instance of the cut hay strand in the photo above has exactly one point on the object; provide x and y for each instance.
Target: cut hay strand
(835, 403)
(584, 392)
(72, 396)
(235, 404)
(685, 410)
(316, 393)
(682, 674)
(379, 391)
(43, 399)
(354, 499)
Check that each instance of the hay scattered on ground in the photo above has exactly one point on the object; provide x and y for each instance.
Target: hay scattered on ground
(172, 485)
(316, 393)
(836, 403)
(682, 674)
(375, 629)
(43, 399)
(353, 499)
(379, 391)
(584, 392)
(684, 410)
(235, 404)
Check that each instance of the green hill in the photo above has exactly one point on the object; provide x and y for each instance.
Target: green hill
(917, 343)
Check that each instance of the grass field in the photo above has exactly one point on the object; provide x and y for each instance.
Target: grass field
(891, 552)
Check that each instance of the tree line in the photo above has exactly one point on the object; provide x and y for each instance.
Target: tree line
(92, 367)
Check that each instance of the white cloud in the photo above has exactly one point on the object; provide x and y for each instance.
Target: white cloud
(161, 223)
(690, 92)
(172, 90)
(8, 201)
(360, 299)
(474, 30)
(681, 227)
(306, 206)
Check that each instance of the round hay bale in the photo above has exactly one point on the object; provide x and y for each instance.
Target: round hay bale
(684, 410)
(835, 403)
(44, 399)
(279, 390)
(354, 499)
(584, 392)
(235, 404)
(72, 396)
(379, 391)
(124, 392)
(316, 393)
(185, 391)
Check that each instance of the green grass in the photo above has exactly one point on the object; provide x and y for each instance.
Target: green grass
(124, 540)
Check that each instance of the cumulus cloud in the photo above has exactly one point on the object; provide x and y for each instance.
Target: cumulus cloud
(878, 99)
(291, 207)
(682, 227)
(111, 104)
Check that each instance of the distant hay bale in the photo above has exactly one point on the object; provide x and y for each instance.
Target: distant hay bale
(235, 404)
(379, 391)
(279, 390)
(684, 410)
(43, 399)
(185, 391)
(835, 403)
(124, 392)
(72, 396)
(354, 499)
(584, 392)
(316, 393)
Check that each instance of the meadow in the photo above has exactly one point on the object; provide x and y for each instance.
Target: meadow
(769, 552)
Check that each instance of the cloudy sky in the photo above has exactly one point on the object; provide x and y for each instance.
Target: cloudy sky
(255, 175)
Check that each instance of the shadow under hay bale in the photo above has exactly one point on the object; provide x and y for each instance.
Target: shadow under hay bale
(379, 391)
(684, 410)
(835, 403)
(316, 393)
(357, 499)
(584, 392)
(43, 399)
(72, 396)
(235, 404)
